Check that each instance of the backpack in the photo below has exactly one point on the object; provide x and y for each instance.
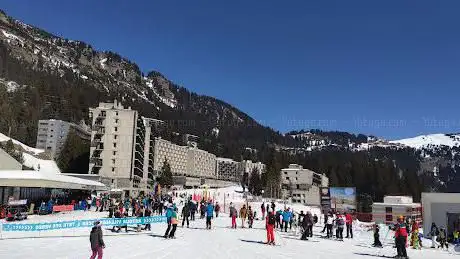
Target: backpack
(271, 219)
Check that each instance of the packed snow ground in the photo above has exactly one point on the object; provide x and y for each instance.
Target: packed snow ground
(194, 242)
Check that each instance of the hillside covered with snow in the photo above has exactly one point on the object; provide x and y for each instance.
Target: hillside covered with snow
(426, 141)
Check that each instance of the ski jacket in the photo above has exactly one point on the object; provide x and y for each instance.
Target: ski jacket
(186, 210)
(217, 208)
(315, 219)
(400, 230)
(169, 212)
(349, 219)
(243, 213)
(286, 216)
(95, 238)
(340, 222)
(434, 230)
(233, 212)
(209, 210)
(270, 219)
(330, 220)
(262, 207)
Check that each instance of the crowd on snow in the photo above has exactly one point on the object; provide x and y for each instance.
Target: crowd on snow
(406, 232)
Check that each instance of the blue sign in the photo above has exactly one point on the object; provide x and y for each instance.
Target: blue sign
(82, 223)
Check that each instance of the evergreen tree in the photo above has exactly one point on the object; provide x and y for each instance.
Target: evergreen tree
(10, 149)
(255, 182)
(74, 155)
(165, 178)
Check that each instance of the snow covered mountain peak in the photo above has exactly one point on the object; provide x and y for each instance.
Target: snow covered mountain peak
(431, 140)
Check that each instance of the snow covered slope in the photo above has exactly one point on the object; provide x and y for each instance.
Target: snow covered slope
(423, 141)
(35, 151)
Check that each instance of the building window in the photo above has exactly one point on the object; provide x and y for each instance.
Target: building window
(298, 186)
(116, 128)
(287, 178)
(114, 153)
(113, 170)
(113, 161)
(51, 136)
(115, 145)
(116, 120)
(389, 214)
(116, 113)
(115, 136)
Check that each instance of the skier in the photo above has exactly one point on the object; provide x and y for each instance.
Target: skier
(434, 233)
(243, 215)
(174, 222)
(262, 208)
(325, 222)
(349, 222)
(169, 214)
(286, 219)
(300, 219)
(233, 215)
(401, 238)
(377, 242)
(456, 237)
(96, 240)
(310, 223)
(186, 214)
(202, 210)
(140, 214)
(147, 213)
(315, 219)
(250, 217)
(278, 219)
(192, 206)
(329, 222)
(340, 222)
(270, 226)
(414, 240)
(306, 222)
(209, 214)
(217, 209)
(443, 238)
(273, 206)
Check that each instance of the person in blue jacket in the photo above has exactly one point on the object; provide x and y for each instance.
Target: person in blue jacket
(286, 219)
(209, 214)
(169, 214)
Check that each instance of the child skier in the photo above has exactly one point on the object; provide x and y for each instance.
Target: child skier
(270, 226)
(250, 217)
(233, 214)
(377, 242)
(443, 238)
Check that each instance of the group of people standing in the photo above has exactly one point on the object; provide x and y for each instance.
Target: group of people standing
(339, 221)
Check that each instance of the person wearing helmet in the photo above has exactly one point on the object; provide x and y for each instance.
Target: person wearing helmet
(400, 238)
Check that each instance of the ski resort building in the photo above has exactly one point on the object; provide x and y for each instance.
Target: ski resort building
(302, 185)
(394, 206)
(442, 209)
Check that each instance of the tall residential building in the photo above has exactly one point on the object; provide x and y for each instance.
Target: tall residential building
(302, 185)
(113, 138)
(247, 166)
(201, 163)
(228, 170)
(177, 157)
(52, 135)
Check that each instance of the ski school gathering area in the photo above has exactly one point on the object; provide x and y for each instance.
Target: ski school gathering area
(66, 234)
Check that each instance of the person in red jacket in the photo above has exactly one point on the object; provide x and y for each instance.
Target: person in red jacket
(270, 226)
(349, 222)
(400, 238)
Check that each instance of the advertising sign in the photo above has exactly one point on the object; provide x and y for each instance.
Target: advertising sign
(82, 223)
(343, 198)
(325, 199)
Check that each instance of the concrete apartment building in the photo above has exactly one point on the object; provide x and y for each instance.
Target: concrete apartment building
(228, 170)
(302, 185)
(52, 135)
(176, 156)
(201, 164)
(113, 139)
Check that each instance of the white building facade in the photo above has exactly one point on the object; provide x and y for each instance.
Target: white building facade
(112, 145)
(302, 185)
(228, 170)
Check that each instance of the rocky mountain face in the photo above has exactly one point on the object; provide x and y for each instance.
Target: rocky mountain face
(44, 76)
(64, 77)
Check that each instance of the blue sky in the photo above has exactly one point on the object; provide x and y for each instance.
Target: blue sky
(389, 68)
